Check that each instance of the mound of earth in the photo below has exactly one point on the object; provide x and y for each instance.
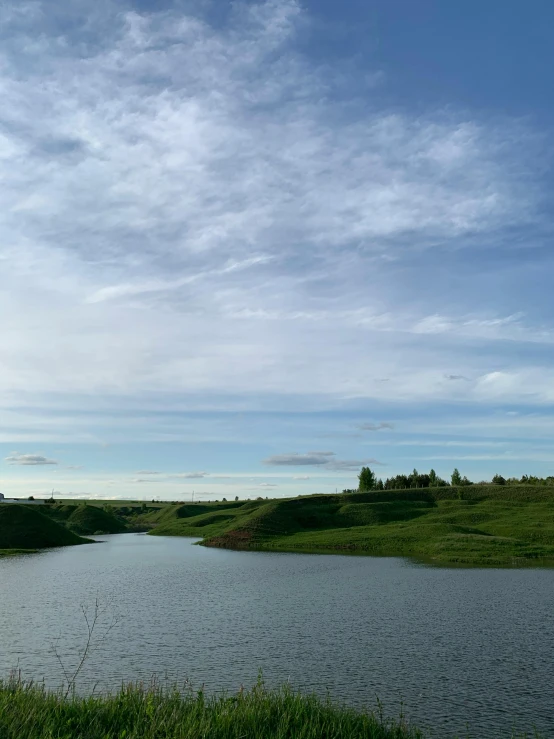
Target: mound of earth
(90, 519)
(23, 527)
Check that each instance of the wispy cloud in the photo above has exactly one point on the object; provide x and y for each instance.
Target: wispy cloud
(145, 164)
(326, 460)
(29, 460)
(201, 217)
(189, 475)
(375, 426)
(295, 459)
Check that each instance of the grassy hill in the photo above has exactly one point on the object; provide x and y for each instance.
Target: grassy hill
(481, 525)
(87, 519)
(24, 528)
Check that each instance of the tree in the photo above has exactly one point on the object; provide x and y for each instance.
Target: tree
(432, 479)
(366, 479)
(456, 477)
(236, 497)
(499, 480)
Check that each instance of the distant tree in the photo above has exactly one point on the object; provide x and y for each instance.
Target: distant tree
(456, 477)
(379, 485)
(366, 479)
(400, 482)
(224, 500)
(432, 479)
(236, 497)
(465, 481)
(499, 480)
(31, 497)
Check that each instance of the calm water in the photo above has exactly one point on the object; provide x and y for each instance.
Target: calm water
(456, 647)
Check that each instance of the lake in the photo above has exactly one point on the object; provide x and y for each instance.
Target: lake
(454, 648)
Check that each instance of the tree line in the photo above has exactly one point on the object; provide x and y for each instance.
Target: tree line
(368, 480)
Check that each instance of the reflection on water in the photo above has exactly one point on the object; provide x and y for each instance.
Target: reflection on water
(454, 647)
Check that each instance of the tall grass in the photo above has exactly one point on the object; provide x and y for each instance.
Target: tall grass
(28, 711)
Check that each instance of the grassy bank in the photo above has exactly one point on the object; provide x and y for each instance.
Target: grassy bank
(13, 552)
(28, 712)
(479, 525)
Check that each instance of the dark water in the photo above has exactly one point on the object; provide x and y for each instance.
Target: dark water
(458, 648)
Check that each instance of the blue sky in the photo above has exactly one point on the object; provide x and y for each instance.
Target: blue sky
(247, 248)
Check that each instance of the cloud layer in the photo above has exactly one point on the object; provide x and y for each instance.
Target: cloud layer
(198, 216)
(175, 191)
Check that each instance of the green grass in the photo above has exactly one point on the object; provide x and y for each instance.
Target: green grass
(23, 528)
(13, 552)
(477, 525)
(29, 711)
(85, 519)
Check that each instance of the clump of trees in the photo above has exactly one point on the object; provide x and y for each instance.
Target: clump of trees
(368, 480)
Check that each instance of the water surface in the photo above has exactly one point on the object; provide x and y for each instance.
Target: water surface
(454, 648)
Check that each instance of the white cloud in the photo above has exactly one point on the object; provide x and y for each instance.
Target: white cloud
(192, 222)
(170, 187)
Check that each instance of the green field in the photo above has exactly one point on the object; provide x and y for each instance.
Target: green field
(476, 525)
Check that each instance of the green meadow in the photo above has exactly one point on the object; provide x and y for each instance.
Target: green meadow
(477, 525)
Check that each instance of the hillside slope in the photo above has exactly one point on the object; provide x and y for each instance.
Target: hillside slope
(23, 527)
(89, 519)
(473, 525)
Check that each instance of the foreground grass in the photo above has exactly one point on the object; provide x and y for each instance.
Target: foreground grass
(482, 526)
(28, 712)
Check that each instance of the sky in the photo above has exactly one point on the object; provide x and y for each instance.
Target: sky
(247, 248)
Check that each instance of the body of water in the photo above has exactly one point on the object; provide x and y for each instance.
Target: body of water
(452, 648)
